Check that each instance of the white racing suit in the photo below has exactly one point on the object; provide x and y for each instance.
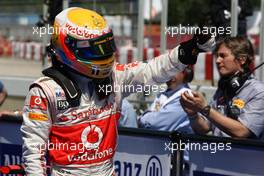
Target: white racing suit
(81, 141)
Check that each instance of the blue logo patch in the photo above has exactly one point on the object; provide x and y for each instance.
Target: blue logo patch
(154, 167)
(59, 93)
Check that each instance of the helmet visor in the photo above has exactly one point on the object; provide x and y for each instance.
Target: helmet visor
(93, 49)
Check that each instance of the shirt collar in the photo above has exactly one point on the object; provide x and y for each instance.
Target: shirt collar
(169, 92)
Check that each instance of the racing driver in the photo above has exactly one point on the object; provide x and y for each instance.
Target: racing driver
(70, 113)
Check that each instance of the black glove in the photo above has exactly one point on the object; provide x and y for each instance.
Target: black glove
(189, 50)
(201, 38)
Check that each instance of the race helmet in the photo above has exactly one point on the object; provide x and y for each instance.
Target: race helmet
(82, 41)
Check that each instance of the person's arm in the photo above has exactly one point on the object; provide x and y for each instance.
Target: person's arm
(150, 120)
(232, 127)
(35, 132)
(10, 113)
(228, 125)
(3, 95)
(199, 124)
(162, 68)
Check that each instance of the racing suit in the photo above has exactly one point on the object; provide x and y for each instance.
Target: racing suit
(82, 140)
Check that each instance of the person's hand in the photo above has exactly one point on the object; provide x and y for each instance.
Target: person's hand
(188, 110)
(189, 50)
(192, 103)
(3, 113)
(205, 43)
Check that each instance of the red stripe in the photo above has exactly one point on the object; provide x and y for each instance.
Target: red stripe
(117, 56)
(156, 52)
(145, 55)
(252, 64)
(208, 66)
(40, 54)
(25, 51)
(32, 52)
(129, 56)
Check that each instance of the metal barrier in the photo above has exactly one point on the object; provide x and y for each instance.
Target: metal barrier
(152, 153)
(215, 156)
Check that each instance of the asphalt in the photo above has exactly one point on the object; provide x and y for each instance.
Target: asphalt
(20, 67)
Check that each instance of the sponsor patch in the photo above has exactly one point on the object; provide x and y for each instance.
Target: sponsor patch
(62, 104)
(37, 102)
(36, 116)
(239, 103)
(59, 93)
(122, 67)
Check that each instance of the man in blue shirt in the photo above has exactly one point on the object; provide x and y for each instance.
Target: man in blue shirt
(128, 115)
(166, 113)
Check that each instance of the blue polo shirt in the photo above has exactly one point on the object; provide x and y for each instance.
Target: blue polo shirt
(169, 117)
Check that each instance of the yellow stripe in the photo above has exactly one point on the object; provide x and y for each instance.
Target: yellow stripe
(100, 46)
(40, 117)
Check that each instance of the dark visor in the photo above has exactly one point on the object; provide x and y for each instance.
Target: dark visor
(95, 49)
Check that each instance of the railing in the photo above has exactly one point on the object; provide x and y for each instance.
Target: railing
(145, 152)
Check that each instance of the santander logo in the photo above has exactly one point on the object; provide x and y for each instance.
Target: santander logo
(92, 137)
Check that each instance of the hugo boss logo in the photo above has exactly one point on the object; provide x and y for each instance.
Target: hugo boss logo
(62, 104)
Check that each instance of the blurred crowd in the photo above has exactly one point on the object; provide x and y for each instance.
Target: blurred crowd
(5, 46)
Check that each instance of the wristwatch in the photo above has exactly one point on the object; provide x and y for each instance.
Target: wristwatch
(206, 110)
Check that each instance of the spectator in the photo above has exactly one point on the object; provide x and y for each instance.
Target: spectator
(166, 113)
(236, 109)
(128, 116)
(3, 93)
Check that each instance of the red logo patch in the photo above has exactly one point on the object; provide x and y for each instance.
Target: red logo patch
(63, 119)
(92, 136)
(37, 102)
(121, 67)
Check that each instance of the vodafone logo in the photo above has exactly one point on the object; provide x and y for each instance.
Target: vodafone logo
(37, 101)
(92, 137)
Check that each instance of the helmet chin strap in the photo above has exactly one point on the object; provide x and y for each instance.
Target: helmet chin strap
(71, 89)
